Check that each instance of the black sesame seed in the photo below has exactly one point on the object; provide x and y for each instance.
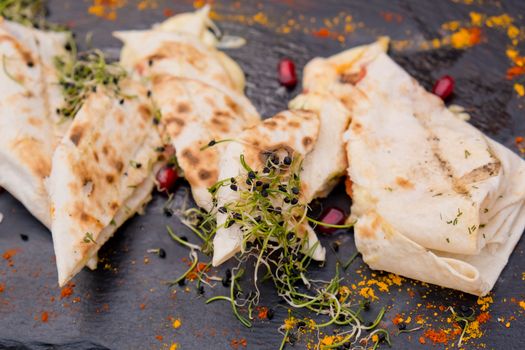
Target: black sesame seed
(160, 149)
(295, 190)
(402, 326)
(212, 143)
(24, 237)
(294, 201)
(286, 200)
(94, 89)
(184, 238)
(282, 188)
(149, 93)
(222, 210)
(287, 160)
(269, 314)
(258, 218)
(258, 183)
(233, 187)
(301, 324)
(225, 282)
(248, 182)
(162, 253)
(168, 212)
(232, 180)
(229, 223)
(266, 186)
(68, 47)
(266, 170)
(150, 63)
(30, 64)
(200, 290)
(366, 305)
(264, 193)
(182, 282)
(121, 101)
(335, 246)
(156, 121)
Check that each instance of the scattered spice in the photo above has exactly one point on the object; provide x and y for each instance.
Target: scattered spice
(67, 290)
(436, 336)
(44, 317)
(2, 287)
(520, 89)
(177, 323)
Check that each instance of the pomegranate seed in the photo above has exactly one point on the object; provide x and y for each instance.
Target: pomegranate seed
(287, 76)
(444, 87)
(331, 216)
(166, 178)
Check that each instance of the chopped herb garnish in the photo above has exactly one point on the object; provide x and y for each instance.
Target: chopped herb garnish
(88, 238)
(467, 154)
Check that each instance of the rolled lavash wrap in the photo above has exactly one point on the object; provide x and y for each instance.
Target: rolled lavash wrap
(434, 198)
(198, 91)
(29, 125)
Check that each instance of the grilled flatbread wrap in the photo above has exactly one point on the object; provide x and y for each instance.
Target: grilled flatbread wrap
(180, 46)
(28, 124)
(326, 163)
(195, 112)
(291, 133)
(434, 198)
(101, 173)
(198, 91)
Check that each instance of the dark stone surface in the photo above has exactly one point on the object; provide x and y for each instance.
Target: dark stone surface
(125, 303)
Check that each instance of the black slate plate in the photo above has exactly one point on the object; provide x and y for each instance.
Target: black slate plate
(125, 305)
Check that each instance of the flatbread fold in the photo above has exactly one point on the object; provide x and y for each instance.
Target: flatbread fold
(294, 132)
(434, 198)
(198, 91)
(102, 173)
(29, 128)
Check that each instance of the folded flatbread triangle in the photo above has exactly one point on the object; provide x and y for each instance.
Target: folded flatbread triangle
(434, 198)
(293, 131)
(102, 173)
(29, 125)
(198, 91)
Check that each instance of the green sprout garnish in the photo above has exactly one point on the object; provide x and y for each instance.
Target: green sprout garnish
(465, 320)
(29, 13)
(271, 214)
(83, 76)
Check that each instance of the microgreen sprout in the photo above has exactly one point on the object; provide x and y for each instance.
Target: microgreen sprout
(271, 214)
(30, 13)
(81, 77)
(462, 319)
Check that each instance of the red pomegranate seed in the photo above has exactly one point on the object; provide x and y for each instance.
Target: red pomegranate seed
(331, 216)
(287, 76)
(444, 87)
(166, 178)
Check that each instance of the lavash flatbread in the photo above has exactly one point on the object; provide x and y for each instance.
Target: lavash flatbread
(102, 174)
(434, 198)
(180, 46)
(326, 163)
(28, 123)
(194, 112)
(198, 90)
(291, 131)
